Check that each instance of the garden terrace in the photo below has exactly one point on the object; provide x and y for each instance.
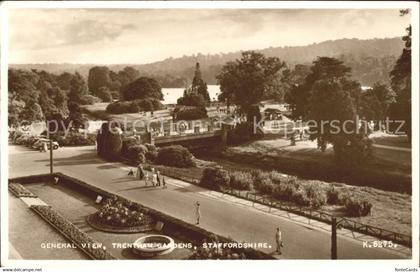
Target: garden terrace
(74, 199)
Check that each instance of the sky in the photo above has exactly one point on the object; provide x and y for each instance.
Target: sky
(136, 36)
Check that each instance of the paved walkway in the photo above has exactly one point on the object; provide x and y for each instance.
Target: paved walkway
(222, 214)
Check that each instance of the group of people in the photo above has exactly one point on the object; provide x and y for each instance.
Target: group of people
(155, 178)
(159, 180)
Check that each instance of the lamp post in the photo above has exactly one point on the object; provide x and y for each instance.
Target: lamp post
(51, 156)
(334, 238)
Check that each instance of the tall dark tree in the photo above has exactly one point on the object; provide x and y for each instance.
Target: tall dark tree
(105, 94)
(246, 81)
(109, 142)
(198, 85)
(197, 94)
(374, 102)
(324, 68)
(331, 103)
(128, 75)
(143, 87)
(75, 119)
(401, 83)
(98, 77)
(78, 89)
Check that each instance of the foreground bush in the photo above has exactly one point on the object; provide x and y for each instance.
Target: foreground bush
(136, 154)
(357, 207)
(77, 236)
(214, 178)
(241, 180)
(126, 144)
(175, 155)
(333, 197)
(316, 194)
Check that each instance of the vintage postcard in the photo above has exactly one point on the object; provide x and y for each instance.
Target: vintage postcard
(209, 135)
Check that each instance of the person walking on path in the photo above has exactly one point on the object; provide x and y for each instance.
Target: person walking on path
(279, 241)
(140, 172)
(146, 179)
(197, 212)
(44, 147)
(163, 182)
(158, 177)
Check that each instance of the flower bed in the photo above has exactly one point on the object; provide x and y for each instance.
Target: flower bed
(71, 232)
(120, 217)
(19, 190)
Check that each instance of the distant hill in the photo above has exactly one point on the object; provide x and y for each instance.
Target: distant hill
(371, 60)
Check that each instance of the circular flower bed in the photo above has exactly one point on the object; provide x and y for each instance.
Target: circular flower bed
(116, 216)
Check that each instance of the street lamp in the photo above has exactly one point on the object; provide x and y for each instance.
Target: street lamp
(51, 156)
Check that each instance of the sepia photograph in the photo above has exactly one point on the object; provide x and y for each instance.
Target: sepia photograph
(192, 131)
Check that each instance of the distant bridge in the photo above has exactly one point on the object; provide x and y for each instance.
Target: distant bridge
(190, 139)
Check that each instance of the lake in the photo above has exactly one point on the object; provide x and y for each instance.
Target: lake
(171, 95)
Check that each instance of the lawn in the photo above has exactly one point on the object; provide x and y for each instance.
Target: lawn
(387, 161)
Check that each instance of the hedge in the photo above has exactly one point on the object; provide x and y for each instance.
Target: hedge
(73, 233)
(214, 178)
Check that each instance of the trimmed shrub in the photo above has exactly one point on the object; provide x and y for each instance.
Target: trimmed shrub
(357, 207)
(175, 155)
(190, 113)
(109, 142)
(333, 197)
(301, 198)
(151, 147)
(265, 186)
(277, 177)
(214, 178)
(284, 191)
(136, 154)
(127, 143)
(316, 195)
(259, 175)
(241, 180)
(151, 156)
